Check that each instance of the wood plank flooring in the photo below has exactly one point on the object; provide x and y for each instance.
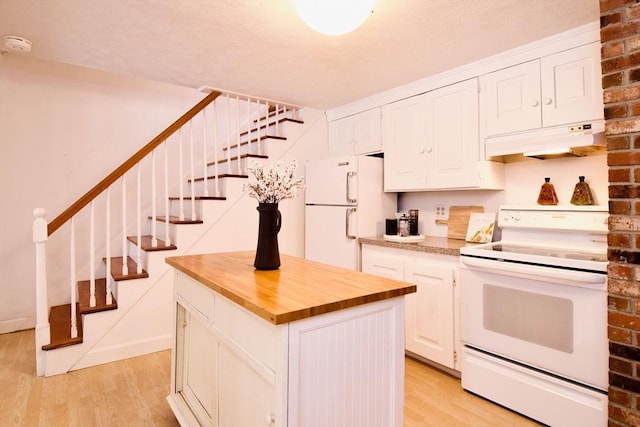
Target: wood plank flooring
(132, 393)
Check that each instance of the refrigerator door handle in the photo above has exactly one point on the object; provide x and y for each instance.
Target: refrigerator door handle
(346, 223)
(349, 175)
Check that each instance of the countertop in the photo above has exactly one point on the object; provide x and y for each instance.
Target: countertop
(298, 290)
(431, 244)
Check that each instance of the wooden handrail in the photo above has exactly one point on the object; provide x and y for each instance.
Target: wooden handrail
(128, 164)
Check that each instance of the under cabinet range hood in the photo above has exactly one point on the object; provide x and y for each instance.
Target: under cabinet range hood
(569, 140)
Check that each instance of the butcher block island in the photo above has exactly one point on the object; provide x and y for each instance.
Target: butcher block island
(306, 345)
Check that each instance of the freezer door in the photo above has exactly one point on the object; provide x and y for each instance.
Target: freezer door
(330, 235)
(332, 181)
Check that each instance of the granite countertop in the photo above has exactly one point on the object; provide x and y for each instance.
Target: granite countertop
(431, 244)
(298, 290)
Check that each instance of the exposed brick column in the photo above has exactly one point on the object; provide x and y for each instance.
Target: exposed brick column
(620, 36)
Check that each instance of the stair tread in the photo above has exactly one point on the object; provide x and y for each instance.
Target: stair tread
(177, 220)
(242, 156)
(253, 141)
(84, 295)
(147, 244)
(199, 197)
(223, 175)
(116, 269)
(60, 327)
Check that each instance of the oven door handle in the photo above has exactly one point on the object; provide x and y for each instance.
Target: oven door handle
(547, 274)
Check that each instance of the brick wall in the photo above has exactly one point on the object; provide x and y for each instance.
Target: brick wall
(620, 35)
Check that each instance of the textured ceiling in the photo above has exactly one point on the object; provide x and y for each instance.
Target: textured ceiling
(262, 48)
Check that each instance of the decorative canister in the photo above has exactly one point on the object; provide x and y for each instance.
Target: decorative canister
(547, 194)
(403, 225)
(582, 193)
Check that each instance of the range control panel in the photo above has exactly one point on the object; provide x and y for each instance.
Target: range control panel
(592, 219)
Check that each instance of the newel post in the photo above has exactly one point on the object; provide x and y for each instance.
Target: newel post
(40, 237)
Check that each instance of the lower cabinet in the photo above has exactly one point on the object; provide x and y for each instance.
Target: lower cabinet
(223, 359)
(233, 368)
(432, 313)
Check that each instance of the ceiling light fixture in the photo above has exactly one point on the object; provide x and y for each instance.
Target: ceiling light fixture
(334, 17)
(17, 44)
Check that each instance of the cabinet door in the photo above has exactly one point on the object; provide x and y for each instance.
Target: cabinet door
(572, 86)
(430, 311)
(452, 136)
(196, 367)
(382, 264)
(512, 99)
(341, 137)
(404, 138)
(367, 132)
(249, 396)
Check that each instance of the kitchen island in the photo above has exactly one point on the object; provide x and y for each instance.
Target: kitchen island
(306, 345)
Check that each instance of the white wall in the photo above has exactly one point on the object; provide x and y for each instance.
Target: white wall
(522, 186)
(63, 129)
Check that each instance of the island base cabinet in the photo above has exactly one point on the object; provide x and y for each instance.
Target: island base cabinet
(344, 372)
(233, 368)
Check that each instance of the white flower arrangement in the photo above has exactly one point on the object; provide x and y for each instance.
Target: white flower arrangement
(273, 183)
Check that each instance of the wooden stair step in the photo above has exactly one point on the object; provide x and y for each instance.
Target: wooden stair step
(199, 197)
(223, 175)
(84, 297)
(177, 220)
(253, 141)
(60, 327)
(116, 269)
(242, 156)
(147, 243)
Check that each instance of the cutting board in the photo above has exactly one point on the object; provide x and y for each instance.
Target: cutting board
(459, 220)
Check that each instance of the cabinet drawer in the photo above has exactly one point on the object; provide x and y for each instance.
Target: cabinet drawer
(196, 295)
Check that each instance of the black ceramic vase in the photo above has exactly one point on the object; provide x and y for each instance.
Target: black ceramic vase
(267, 253)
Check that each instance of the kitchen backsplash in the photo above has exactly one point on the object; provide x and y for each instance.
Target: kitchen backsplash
(523, 181)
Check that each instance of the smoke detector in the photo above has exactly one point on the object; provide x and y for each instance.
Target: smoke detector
(17, 44)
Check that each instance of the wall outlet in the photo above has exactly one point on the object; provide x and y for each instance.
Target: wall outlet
(441, 211)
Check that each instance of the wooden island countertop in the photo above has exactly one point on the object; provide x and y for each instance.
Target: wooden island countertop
(299, 289)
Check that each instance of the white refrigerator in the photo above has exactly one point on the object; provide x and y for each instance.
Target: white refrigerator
(344, 200)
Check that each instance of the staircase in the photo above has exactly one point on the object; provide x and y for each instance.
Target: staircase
(122, 307)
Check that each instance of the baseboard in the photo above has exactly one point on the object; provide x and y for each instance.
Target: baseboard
(14, 325)
(124, 351)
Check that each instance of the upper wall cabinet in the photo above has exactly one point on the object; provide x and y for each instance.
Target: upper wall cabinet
(357, 134)
(559, 89)
(431, 142)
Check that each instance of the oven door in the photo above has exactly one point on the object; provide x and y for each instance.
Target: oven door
(559, 326)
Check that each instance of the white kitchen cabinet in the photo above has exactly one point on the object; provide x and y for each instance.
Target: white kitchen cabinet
(357, 134)
(224, 357)
(563, 88)
(231, 367)
(431, 142)
(432, 322)
(404, 133)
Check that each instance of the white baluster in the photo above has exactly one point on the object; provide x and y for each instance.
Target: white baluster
(204, 151)
(258, 129)
(250, 126)
(138, 221)
(238, 132)
(72, 277)
(154, 212)
(43, 337)
(215, 150)
(193, 176)
(277, 119)
(125, 267)
(228, 134)
(107, 276)
(181, 178)
(167, 239)
(92, 257)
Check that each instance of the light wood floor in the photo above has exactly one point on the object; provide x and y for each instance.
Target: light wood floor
(132, 393)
